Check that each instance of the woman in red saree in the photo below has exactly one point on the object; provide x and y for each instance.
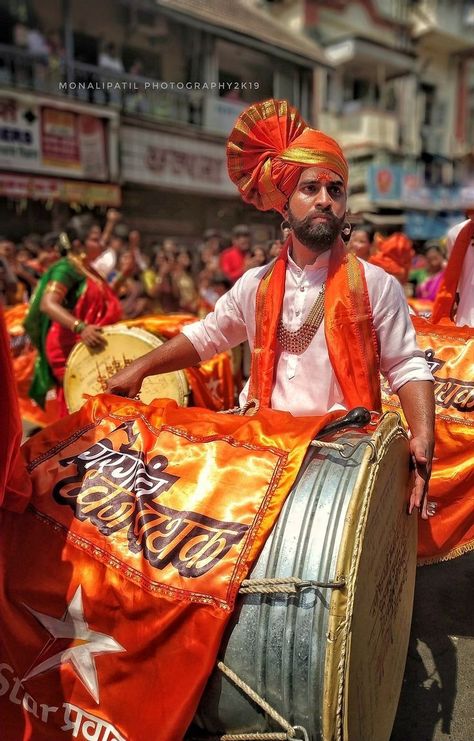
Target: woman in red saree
(70, 304)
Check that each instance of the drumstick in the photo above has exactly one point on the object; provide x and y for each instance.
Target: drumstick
(357, 417)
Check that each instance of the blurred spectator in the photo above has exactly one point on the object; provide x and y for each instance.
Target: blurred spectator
(158, 284)
(216, 286)
(8, 284)
(361, 241)
(136, 69)
(256, 258)
(394, 254)
(274, 247)
(186, 293)
(109, 58)
(435, 265)
(25, 280)
(232, 260)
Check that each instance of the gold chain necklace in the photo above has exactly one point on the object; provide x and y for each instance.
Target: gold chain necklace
(298, 341)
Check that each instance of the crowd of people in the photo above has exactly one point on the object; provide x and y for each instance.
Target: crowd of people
(168, 278)
(171, 278)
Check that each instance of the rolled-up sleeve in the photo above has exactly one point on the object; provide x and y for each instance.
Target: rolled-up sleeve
(220, 330)
(401, 360)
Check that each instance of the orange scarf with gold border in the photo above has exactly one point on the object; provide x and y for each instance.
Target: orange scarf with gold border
(444, 303)
(349, 329)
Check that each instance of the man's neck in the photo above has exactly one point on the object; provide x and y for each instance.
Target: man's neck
(302, 255)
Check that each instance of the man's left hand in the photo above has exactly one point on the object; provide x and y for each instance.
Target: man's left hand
(421, 451)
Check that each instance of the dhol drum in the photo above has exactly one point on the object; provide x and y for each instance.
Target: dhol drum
(87, 371)
(329, 657)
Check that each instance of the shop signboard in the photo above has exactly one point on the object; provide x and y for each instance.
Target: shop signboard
(385, 182)
(38, 188)
(41, 138)
(220, 114)
(176, 162)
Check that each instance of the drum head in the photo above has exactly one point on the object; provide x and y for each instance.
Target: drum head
(369, 625)
(88, 370)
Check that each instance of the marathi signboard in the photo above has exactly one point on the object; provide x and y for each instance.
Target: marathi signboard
(168, 161)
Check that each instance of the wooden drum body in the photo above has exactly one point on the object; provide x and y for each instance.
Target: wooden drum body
(88, 370)
(330, 660)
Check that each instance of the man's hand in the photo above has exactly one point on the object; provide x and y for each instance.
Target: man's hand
(421, 451)
(92, 337)
(127, 382)
(417, 399)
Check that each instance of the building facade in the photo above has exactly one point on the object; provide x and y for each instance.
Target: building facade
(398, 95)
(131, 104)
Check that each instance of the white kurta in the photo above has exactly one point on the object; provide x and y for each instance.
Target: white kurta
(465, 310)
(306, 384)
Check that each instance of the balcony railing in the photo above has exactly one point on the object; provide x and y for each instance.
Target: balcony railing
(128, 93)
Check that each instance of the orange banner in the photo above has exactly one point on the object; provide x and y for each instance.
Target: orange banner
(152, 516)
(449, 351)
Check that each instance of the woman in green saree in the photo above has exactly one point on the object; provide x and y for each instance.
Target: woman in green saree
(70, 304)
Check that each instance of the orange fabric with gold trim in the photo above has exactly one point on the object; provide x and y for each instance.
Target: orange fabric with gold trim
(394, 255)
(15, 485)
(450, 354)
(152, 517)
(446, 296)
(269, 146)
(348, 326)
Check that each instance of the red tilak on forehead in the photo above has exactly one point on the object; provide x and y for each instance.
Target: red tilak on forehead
(324, 177)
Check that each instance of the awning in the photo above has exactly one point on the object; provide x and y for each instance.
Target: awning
(237, 20)
(39, 188)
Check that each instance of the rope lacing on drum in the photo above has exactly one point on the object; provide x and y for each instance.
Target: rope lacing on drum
(252, 406)
(290, 732)
(286, 585)
(347, 450)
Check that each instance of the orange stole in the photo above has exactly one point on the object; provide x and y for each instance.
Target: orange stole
(444, 303)
(348, 325)
(152, 517)
(450, 355)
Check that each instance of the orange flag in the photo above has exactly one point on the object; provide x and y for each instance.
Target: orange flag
(143, 522)
(15, 485)
(449, 351)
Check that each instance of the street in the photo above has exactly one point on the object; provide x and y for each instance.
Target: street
(436, 701)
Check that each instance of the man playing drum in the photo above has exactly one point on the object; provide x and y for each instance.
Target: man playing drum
(321, 324)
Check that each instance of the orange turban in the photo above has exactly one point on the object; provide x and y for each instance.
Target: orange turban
(269, 146)
(394, 255)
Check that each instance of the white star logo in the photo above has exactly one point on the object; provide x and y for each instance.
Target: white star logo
(76, 642)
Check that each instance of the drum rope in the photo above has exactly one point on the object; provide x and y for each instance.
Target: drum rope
(322, 444)
(346, 623)
(290, 731)
(286, 585)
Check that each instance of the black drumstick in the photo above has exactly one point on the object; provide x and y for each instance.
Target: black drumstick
(357, 417)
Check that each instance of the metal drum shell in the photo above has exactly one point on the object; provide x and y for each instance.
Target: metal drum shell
(82, 368)
(297, 651)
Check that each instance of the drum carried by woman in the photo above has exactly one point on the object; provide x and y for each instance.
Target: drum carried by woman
(70, 304)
